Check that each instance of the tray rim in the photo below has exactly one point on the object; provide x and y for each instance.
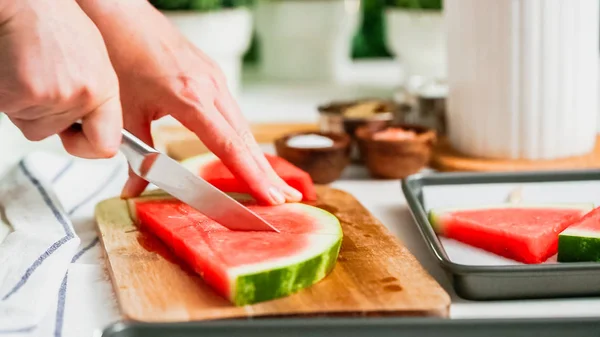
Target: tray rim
(412, 187)
(372, 322)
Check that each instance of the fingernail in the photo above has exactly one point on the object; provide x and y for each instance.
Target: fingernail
(293, 193)
(276, 195)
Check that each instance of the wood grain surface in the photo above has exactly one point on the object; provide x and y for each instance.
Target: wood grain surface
(375, 274)
(445, 158)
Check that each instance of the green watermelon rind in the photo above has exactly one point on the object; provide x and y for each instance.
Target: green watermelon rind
(279, 278)
(575, 245)
(269, 284)
(435, 221)
(435, 215)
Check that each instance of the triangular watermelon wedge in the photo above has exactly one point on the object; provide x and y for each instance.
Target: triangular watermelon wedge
(211, 168)
(246, 267)
(525, 233)
(581, 241)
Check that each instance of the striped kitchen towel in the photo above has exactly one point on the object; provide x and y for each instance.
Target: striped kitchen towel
(46, 225)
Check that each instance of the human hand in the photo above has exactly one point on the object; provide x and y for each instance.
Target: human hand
(55, 70)
(162, 73)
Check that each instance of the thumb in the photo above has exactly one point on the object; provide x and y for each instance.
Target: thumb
(136, 185)
(100, 133)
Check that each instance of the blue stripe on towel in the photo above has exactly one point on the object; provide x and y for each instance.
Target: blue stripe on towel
(35, 265)
(20, 330)
(58, 215)
(63, 288)
(60, 309)
(85, 249)
(62, 293)
(99, 189)
(63, 171)
(47, 199)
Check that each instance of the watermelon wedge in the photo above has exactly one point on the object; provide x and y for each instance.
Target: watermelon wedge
(581, 241)
(525, 233)
(246, 267)
(211, 168)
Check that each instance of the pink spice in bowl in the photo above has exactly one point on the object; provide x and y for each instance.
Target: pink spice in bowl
(394, 134)
(395, 152)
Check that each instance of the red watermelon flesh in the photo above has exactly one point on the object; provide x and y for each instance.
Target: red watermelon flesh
(232, 261)
(212, 169)
(522, 233)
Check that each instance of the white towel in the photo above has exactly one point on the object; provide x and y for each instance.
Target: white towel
(47, 231)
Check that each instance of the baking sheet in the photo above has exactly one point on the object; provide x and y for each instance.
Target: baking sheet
(479, 275)
(472, 195)
(363, 327)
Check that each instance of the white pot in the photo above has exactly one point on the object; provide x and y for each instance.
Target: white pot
(417, 38)
(224, 36)
(523, 77)
(306, 40)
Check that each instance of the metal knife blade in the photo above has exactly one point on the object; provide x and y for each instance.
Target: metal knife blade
(167, 174)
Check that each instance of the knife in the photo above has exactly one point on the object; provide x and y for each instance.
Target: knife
(170, 176)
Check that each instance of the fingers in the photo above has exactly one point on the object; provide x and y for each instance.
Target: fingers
(100, 134)
(136, 185)
(231, 112)
(214, 131)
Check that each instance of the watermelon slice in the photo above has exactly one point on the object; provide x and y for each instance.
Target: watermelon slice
(581, 241)
(525, 233)
(211, 168)
(246, 267)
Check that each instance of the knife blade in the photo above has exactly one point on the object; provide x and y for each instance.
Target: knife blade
(170, 176)
(167, 174)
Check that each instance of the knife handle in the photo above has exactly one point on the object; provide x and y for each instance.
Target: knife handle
(129, 141)
(134, 149)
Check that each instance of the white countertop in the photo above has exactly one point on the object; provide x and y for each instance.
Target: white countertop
(296, 103)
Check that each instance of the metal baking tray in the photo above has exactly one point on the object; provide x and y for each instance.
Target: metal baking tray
(362, 327)
(497, 280)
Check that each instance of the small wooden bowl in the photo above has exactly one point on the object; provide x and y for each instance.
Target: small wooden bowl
(324, 165)
(332, 119)
(396, 159)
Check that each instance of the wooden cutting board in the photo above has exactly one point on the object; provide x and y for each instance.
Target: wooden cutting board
(375, 274)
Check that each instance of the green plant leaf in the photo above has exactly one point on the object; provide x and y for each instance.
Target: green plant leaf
(205, 5)
(369, 41)
(200, 5)
(417, 4)
(170, 4)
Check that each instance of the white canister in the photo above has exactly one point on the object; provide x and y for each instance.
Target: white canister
(523, 77)
(306, 40)
(223, 35)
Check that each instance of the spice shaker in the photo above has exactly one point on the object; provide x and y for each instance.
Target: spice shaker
(431, 105)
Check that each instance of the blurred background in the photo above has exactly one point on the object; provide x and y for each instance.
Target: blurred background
(495, 79)
(523, 73)
(283, 58)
